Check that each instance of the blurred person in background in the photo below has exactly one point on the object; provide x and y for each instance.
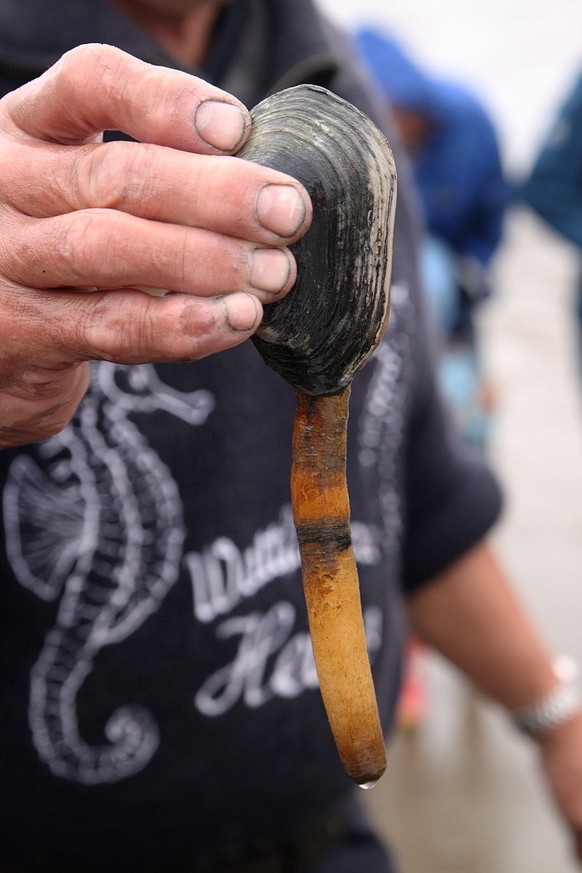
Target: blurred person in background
(160, 709)
(453, 147)
(452, 144)
(554, 186)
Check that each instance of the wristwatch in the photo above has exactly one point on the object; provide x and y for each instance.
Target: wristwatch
(556, 707)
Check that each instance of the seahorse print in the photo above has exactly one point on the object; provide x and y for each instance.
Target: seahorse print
(381, 427)
(100, 525)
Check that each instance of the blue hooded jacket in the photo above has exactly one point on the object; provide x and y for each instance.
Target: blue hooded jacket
(554, 187)
(458, 171)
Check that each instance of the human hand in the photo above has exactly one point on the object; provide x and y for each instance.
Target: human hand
(561, 751)
(84, 223)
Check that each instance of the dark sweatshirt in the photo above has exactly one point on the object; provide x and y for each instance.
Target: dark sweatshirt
(158, 698)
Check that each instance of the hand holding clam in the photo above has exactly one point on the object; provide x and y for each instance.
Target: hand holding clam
(85, 223)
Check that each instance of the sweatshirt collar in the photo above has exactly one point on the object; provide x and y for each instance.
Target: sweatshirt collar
(30, 42)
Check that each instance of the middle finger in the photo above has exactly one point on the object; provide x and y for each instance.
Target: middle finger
(224, 194)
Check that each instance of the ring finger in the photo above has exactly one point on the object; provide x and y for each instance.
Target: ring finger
(103, 248)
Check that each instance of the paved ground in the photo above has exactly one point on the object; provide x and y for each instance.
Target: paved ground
(463, 794)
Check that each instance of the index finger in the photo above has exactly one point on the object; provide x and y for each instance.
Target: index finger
(94, 88)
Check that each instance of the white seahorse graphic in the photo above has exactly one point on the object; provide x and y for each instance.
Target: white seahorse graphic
(103, 525)
(381, 426)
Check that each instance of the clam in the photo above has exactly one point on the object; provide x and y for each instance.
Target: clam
(317, 338)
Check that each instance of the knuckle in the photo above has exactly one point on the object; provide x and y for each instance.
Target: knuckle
(179, 257)
(96, 331)
(91, 72)
(74, 66)
(175, 328)
(85, 60)
(115, 332)
(91, 248)
(107, 174)
(9, 239)
(80, 56)
(194, 324)
(136, 178)
(76, 248)
(168, 331)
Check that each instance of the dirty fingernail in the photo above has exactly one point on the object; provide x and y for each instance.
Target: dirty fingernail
(242, 311)
(220, 124)
(270, 270)
(280, 209)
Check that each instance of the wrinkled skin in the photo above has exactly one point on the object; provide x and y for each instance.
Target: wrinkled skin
(84, 223)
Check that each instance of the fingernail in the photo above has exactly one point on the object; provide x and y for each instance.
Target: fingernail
(220, 124)
(280, 209)
(242, 311)
(270, 270)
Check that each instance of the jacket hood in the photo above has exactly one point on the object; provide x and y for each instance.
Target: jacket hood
(402, 82)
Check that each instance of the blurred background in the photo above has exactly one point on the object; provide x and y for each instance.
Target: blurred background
(463, 793)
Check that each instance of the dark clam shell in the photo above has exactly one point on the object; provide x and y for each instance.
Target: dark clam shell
(328, 325)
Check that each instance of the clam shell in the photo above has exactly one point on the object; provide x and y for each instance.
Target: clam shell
(325, 329)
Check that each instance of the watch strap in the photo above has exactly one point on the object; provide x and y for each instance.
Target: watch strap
(553, 710)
